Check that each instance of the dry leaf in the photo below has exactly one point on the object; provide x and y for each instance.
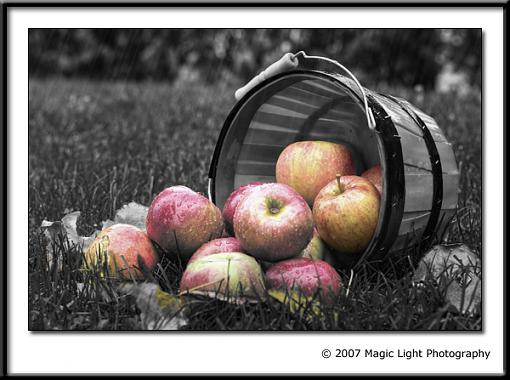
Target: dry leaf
(65, 228)
(307, 308)
(159, 310)
(132, 213)
(457, 271)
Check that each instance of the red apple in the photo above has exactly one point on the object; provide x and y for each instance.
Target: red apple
(181, 220)
(306, 275)
(233, 201)
(307, 166)
(273, 222)
(374, 175)
(346, 212)
(224, 275)
(122, 251)
(228, 244)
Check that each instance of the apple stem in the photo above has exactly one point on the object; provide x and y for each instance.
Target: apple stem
(340, 187)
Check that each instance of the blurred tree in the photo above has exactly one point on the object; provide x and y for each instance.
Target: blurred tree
(396, 56)
(464, 48)
(404, 57)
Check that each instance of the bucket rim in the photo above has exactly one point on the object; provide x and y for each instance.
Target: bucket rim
(390, 211)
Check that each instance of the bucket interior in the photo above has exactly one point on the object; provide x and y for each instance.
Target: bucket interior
(293, 107)
(290, 107)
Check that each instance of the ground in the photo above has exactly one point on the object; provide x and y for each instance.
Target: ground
(94, 147)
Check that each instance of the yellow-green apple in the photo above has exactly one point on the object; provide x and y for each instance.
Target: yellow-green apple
(307, 166)
(121, 251)
(232, 202)
(346, 212)
(226, 275)
(310, 277)
(228, 244)
(316, 249)
(180, 220)
(374, 175)
(273, 222)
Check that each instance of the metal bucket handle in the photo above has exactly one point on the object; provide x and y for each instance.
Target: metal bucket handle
(292, 61)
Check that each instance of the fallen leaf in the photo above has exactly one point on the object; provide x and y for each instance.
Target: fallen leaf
(106, 223)
(305, 307)
(132, 213)
(159, 310)
(107, 294)
(102, 324)
(65, 228)
(457, 271)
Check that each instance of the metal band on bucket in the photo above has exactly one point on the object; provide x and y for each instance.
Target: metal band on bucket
(393, 212)
(437, 173)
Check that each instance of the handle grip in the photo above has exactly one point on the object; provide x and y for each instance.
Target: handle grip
(285, 63)
(291, 61)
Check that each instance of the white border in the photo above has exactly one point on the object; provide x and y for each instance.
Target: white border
(235, 352)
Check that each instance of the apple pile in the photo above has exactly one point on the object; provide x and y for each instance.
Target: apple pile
(345, 206)
(285, 235)
(296, 229)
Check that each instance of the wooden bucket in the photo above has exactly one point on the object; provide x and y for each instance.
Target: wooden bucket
(314, 98)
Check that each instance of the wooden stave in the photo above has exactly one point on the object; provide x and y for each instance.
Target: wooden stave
(444, 149)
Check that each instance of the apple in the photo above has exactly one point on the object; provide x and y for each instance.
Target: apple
(346, 212)
(308, 276)
(316, 249)
(273, 222)
(121, 251)
(307, 166)
(226, 275)
(229, 244)
(180, 220)
(374, 175)
(232, 202)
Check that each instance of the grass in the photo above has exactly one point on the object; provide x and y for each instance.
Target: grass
(96, 146)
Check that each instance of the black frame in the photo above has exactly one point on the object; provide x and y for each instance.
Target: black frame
(6, 6)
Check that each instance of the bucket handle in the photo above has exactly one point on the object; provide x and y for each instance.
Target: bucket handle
(368, 112)
(291, 61)
(285, 63)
